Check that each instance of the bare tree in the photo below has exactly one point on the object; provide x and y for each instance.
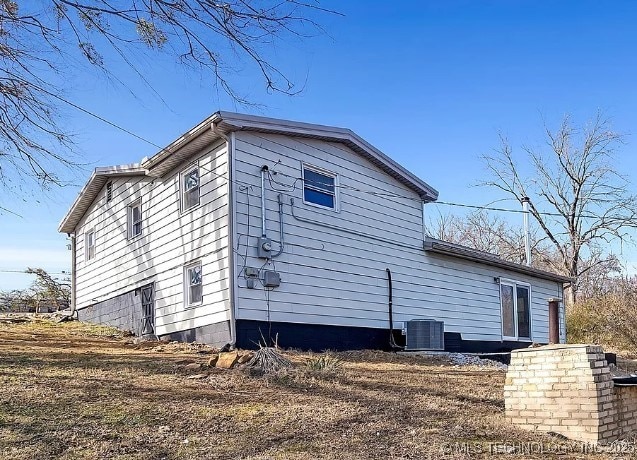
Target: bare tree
(489, 233)
(54, 292)
(45, 292)
(579, 201)
(41, 42)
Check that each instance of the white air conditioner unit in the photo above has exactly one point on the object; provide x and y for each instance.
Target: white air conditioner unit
(425, 334)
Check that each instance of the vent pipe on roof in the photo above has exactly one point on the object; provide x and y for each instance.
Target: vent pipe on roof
(527, 237)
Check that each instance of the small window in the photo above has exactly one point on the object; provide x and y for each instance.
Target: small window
(319, 187)
(516, 310)
(109, 191)
(135, 219)
(190, 188)
(89, 241)
(193, 284)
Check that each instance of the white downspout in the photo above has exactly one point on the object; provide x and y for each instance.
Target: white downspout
(232, 215)
(73, 275)
(423, 223)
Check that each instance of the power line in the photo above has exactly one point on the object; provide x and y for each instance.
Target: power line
(30, 273)
(292, 187)
(296, 179)
(99, 117)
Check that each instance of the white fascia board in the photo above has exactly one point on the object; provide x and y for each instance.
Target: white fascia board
(90, 190)
(233, 121)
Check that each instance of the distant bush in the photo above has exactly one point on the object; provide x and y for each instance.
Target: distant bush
(584, 323)
(608, 318)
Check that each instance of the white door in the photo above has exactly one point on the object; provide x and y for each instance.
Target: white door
(515, 301)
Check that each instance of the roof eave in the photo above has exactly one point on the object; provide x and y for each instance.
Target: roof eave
(463, 252)
(153, 163)
(99, 176)
(228, 121)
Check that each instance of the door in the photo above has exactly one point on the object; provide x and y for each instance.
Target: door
(515, 301)
(148, 310)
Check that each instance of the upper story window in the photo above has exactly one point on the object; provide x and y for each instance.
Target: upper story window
(320, 187)
(109, 191)
(515, 298)
(135, 219)
(190, 188)
(193, 280)
(89, 243)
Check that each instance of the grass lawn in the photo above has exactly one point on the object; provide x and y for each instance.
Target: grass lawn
(75, 391)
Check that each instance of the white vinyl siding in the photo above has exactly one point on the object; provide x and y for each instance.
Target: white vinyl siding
(333, 265)
(169, 240)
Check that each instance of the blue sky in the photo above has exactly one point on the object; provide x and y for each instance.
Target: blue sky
(429, 83)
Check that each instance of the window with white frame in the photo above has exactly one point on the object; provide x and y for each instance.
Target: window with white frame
(135, 219)
(515, 299)
(320, 187)
(89, 242)
(190, 188)
(193, 284)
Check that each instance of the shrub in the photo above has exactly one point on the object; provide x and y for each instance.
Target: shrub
(326, 362)
(584, 323)
(609, 318)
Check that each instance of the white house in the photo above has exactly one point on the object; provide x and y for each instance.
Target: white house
(247, 227)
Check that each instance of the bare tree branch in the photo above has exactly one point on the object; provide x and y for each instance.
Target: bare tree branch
(578, 199)
(38, 41)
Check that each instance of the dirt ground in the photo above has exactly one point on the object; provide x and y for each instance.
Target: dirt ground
(74, 391)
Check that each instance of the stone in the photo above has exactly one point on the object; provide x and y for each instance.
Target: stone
(198, 376)
(213, 360)
(227, 360)
(192, 366)
(246, 357)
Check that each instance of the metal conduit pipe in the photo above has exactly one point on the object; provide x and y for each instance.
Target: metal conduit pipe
(280, 251)
(264, 171)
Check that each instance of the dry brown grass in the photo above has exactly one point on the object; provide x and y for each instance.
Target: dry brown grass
(73, 391)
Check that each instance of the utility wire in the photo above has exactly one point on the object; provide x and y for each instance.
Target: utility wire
(518, 211)
(99, 117)
(29, 273)
(292, 187)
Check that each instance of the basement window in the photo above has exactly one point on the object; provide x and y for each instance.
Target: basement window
(320, 187)
(135, 219)
(515, 299)
(193, 281)
(89, 241)
(190, 188)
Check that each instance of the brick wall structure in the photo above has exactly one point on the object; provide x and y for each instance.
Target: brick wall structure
(569, 390)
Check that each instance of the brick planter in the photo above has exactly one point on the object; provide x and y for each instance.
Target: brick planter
(568, 389)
